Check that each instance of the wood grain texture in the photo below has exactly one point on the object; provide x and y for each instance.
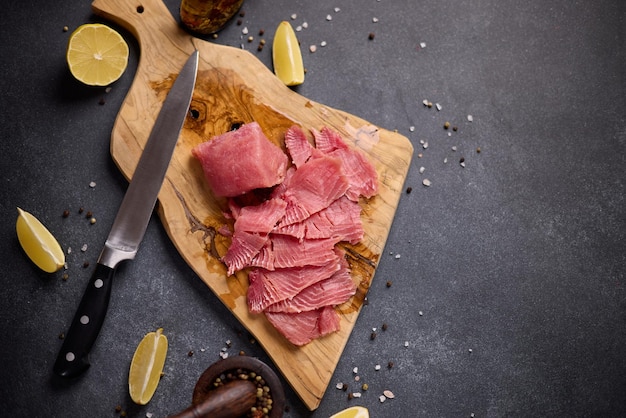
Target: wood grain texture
(234, 87)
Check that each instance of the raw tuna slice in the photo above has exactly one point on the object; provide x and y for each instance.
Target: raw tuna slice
(361, 174)
(269, 287)
(313, 187)
(300, 149)
(260, 218)
(243, 248)
(231, 161)
(291, 252)
(335, 290)
(340, 221)
(303, 327)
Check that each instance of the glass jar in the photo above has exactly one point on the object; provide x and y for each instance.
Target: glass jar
(207, 16)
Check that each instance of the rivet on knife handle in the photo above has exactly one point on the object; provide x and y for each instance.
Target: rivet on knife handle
(73, 359)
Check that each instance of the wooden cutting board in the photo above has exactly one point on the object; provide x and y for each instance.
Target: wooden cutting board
(234, 87)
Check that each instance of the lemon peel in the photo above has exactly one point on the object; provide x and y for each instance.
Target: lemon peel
(96, 55)
(38, 243)
(146, 367)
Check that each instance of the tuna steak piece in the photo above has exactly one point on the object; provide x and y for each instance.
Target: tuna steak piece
(268, 287)
(239, 161)
(301, 328)
(335, 290)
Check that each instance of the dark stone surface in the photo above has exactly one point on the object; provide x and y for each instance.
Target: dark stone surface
(519, 256)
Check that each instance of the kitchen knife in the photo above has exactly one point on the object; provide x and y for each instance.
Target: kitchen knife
(130, 223)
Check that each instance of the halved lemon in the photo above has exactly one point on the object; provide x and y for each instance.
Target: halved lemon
(353, 412)
(38, 243)
(147, 366)
(97, 55)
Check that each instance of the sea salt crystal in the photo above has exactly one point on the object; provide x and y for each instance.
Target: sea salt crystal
(438, 106)
(375, 20)
(355, 370)
(356, 394)
(422, 169)
(397, 256)
(453, 147)
(323, 44)
(425, 145)
(298, 28)
(406, 343)
(294, 16)
(470, 118)
(382, 398)
(426, 182)
(305, 25)
(411, 128)
(423, 44)
(339, 386)
(425, 101)
(84, 248)
(329, 17)
(245, 30)
(377, 367)
(313, 48)
(389, 394)
(92, 184)
(337, 9)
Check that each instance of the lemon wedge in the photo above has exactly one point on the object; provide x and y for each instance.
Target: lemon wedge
(353, 412)
(96, 55)
(38, 243)
(147, 366)
(286, 55)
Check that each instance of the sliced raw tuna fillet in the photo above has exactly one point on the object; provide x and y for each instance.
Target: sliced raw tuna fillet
(243, 248)
(260, 218)
(298, 146)
(303, 327)
(239, 161)
(313, 187)
(268, 287)
(335, 290)
(341, 221)
(360, 173)
(290, 252)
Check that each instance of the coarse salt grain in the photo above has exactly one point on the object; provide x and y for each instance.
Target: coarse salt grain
(294, 16)
(355, 370)
(339, 386)
(425, 101)
(356, 394)
(337, 9)
(92, 184)
(313, 48)
(305, 25)
(389, 394)
(397, 256)
(245, 30)
(423, 44)
(323, 44)
(454, 148)
(426, 182)
(377, 367)
(411, 128)
(329, 17)
(382, 398)
(425, 145)
(406, 343)
(375, 20)
(84, 248)
(422, 169)
(438, 106)
(470, 118)
(298, 28)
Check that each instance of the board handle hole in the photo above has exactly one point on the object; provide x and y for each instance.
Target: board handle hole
(140, 9)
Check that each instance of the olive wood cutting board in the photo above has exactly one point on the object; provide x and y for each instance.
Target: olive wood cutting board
(234, 87)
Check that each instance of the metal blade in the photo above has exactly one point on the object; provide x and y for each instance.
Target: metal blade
(136, 209)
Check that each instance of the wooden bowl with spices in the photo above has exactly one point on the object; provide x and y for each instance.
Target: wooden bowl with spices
(239, 386)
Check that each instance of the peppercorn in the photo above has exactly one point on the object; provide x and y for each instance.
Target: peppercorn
(86, 264)
(80, 210)
(384, 327)
(66, 213)
(388, 283)
(62, 336)
(190, 353)
(371, 36)
(373, 336)
(446, 125)
(409, 190)
(390, 365)
(261, 32)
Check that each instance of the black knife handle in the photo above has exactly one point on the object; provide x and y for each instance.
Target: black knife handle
(73, 359)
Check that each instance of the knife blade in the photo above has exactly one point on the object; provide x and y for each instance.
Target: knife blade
(130, 223)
